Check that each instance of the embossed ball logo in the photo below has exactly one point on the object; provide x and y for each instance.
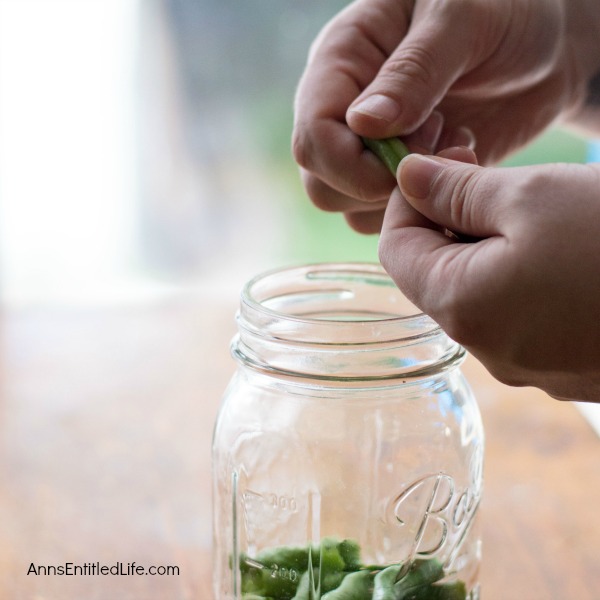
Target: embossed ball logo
(437, 514)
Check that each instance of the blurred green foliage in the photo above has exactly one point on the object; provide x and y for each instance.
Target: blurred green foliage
(556, 145)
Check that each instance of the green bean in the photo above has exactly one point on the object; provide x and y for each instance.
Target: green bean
(350, 552)
(421, 582)
(333, 570)
(355, 586)
(326, 556)
(447, 591)
(389, 150)
(312, 580)
(274, 573)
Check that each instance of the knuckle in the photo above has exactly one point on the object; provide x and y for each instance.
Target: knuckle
(365, 192)
(363, 222)
(310, 139)
(530, 185)
(537, 182)
(414, 68)
(383, 253)
(457, 325)
(318, 192)
(415, 63)
(464, 191)
(533, 189)
(461, 203)
(506, 374)
(301, 146)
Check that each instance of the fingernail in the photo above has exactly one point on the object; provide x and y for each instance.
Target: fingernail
(464, 137)
(379, 107)
(416, 175)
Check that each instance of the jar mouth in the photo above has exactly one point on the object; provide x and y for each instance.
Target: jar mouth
(338, 322)
(332, 304)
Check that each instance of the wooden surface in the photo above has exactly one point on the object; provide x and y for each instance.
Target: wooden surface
(106, 418)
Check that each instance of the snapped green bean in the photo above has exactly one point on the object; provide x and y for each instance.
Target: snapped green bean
(390, 151)
(332, 570)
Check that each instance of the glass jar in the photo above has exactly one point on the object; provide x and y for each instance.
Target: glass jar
(347, 454)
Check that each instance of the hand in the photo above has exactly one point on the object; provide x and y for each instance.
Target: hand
(497, 72)
(525, 299)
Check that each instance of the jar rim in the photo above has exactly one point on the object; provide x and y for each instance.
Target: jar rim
(341, 321)
(338, 273)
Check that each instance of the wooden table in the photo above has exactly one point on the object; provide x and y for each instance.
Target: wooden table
(106, 417)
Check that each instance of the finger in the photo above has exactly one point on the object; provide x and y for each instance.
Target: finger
(339, 158)
(465, 155)
(438, 48)
(425, 139)
(365, 222)
(402, 214)
(464, 198)
(334, 175)
(329, 199)
(459, 136)
(430, 267)
(411, 248)
(343, 60)
(460, 154)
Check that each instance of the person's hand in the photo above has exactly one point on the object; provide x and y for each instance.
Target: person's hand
(498, 73)
(525, 298)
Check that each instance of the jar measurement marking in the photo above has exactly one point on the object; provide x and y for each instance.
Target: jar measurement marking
(276, 571)
(280, 502)
(283, 502)
(287, 574)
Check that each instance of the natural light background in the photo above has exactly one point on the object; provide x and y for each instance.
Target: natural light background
(144, 147)
(68, 196)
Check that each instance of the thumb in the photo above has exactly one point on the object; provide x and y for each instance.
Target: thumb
(461, 197)
(436, 51)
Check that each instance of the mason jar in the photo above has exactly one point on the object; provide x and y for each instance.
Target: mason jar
(348, 450)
